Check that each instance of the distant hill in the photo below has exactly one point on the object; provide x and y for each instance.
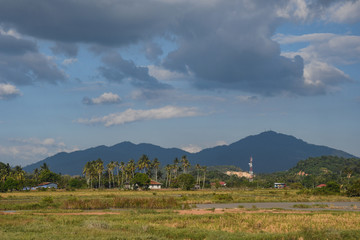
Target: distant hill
(271, 152)
(331, 164)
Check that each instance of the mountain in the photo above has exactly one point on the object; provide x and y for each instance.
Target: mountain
(271, 152)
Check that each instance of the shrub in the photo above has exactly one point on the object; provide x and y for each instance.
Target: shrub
(146, 203)
(223, 197)
(354, 189)
(74, 203)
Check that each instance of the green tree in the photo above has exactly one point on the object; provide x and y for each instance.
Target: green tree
(186, 181)
(354, 189)
(141, 180)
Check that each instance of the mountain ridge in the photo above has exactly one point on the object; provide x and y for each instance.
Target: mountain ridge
(270, 150)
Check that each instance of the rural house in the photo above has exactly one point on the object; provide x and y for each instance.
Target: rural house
(154, 185)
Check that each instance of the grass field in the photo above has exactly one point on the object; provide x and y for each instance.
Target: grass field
(114, 214)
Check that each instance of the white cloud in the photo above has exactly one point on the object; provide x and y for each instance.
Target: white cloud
(105, 98)
(26, 151)
(8, 91)
(297, 9)
(220, 143)
(164, 74)
(314, 37)
(322, 75)
(69, 61)
(10, 32)
(325, 51)
(326, 47)
(131, 115)
(344, 12)
(192, 148)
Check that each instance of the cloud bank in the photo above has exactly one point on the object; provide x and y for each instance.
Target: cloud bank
(219, 44)
(131, 115)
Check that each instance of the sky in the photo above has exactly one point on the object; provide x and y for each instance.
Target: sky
(76, 74)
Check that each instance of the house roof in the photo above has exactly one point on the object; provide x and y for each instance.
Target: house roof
(321, 185)
(152, 182)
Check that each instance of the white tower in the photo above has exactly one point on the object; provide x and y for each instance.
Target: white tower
(251, 170)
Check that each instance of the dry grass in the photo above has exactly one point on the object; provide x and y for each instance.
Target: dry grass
(52, 219)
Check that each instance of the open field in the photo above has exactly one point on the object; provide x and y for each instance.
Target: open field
(87, 214)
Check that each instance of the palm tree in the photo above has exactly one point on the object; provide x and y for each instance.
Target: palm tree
(122, 167)
(117, 165)
(168, 174)
(44, 167)
(175, 166)
(99, 166)
(36, 174)
(185, 162)
(19, 173)
(143, 163)
(155, 164)
(204, 170)
(110, 167)
(132, 167)
(198, 167)
(87, 173)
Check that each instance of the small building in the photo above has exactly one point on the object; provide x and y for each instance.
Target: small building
(154, 185)
(321, 186)
(47, 185)
(221, 184)
(279, 185)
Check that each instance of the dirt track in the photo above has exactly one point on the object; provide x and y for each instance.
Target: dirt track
(344, 206)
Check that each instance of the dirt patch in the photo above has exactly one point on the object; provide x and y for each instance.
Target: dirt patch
(79, 213)
(222, 211)
(8, 213)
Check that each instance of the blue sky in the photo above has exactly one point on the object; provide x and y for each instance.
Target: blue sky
(190, 74)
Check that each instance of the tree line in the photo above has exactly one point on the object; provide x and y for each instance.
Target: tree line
(121, 174)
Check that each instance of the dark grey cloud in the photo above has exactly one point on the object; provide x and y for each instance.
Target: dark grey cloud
(234, 50)
(221, 44)
(67, 49)
(21, 63)
(10, 45)
(117, 69)
(106, 22)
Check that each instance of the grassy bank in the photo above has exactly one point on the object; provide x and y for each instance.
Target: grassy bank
(151, 224)
(89, 214)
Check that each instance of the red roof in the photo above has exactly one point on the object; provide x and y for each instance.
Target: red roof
(321, 185)
(152, 182)
(44, 183)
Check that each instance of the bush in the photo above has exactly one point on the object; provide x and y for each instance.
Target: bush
(354, 189)
(146, 203)
(223, 197)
